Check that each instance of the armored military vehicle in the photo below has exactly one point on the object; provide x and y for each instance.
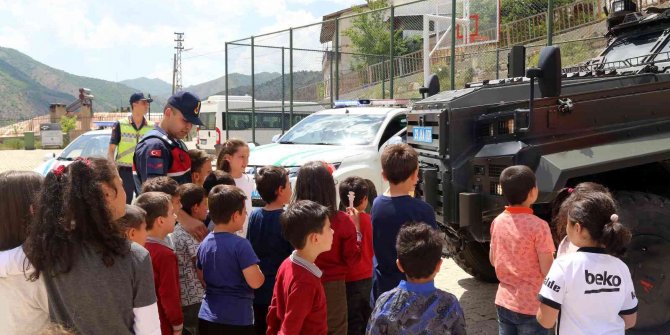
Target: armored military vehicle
(606, 121)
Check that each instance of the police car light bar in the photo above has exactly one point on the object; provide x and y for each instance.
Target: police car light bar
(103, 124)
(370, 103)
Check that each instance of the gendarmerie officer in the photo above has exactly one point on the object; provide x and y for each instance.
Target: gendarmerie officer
(161, 151)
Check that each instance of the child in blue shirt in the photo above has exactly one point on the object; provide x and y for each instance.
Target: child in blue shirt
(228, 266)
(264, 234)
(400, 166)
(416, 306)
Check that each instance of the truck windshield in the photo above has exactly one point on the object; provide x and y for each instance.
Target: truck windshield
(631, 47)
(335, 129)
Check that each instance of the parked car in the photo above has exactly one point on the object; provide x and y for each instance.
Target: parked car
(93, 143)
(350, 139)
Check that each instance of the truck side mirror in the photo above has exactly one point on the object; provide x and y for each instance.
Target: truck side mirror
(550, 68)
(549, 79)
(433, 87)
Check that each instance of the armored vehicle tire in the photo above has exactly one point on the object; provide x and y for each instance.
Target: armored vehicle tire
(648, 257)
(474, 259)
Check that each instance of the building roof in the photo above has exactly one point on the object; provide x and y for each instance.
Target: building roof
(328, 26)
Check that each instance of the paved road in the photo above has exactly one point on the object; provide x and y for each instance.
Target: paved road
(475, 297)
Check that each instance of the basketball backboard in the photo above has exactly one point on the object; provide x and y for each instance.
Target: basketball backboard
(477, 22)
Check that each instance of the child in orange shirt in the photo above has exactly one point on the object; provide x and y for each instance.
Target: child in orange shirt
(521, 252)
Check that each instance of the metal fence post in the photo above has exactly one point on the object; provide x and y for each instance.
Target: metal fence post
(290, 76)
(332, 80)
(337, 58)
(227, 90)
(253, 95)
(391, 52)
(550, 22)
(497, 63)
(283, 91)
(452, 71)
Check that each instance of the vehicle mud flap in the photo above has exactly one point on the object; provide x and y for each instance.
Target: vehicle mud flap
(648, 257)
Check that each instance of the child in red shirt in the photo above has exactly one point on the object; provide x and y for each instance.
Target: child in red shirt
(161, 220)
(298, 303)
(359, 278)
(315, 182)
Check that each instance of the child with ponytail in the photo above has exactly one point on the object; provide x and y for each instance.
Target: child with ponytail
(591, 287)
(559, 220)
(233, 158)
(97, 282)
(316, 183)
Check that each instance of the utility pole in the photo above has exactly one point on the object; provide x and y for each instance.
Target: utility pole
(176, 71)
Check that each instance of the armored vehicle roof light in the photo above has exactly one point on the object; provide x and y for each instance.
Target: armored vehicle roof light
(371, 103)
(620, 9)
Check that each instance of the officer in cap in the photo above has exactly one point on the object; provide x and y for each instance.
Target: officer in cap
(161, 151)
(126, 133)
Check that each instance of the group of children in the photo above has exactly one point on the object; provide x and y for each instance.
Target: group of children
(587, 282)
(302, 269)
(298, 265)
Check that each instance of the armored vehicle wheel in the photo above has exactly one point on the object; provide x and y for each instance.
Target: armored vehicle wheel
(474, 259)
(648, 257)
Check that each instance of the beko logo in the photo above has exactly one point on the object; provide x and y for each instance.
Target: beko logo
(602, 279)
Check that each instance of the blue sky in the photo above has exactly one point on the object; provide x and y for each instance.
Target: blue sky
(122, 39)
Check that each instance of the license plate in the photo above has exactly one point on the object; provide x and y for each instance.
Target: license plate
(203, 142)
(423, 134)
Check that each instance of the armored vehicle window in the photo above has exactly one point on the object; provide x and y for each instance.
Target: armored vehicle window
(664, 53)
(631, 47)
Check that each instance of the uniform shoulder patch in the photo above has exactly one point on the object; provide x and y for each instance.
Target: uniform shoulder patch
(156, 153)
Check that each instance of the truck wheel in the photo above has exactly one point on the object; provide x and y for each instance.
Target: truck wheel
(474, 259)
(648, 257)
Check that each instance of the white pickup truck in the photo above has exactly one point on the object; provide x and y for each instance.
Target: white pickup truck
(350, 139)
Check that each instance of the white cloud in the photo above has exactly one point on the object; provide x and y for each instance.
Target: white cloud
(13, 38)
(126, 39)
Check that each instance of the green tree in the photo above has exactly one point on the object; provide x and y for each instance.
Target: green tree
(68, 123)
(370, 34)
(512, 10)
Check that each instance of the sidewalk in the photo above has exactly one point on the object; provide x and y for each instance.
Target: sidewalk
(23, 160)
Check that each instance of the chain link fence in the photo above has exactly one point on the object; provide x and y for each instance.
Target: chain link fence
(376, 51)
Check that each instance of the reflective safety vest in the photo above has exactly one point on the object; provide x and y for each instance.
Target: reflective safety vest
(129, 139)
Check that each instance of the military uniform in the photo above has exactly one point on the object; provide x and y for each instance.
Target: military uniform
(161, 155)
(158, 154)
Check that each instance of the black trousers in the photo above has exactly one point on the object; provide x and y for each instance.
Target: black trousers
(126, 174)
(358, 305)
(260, 322)
(211, 328)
